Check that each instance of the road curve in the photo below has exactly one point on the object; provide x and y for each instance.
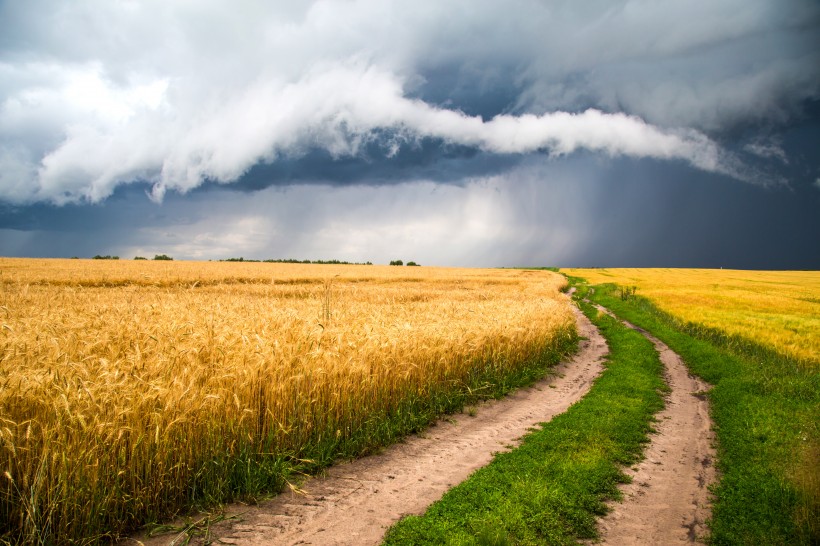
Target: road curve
(355, 502)
(668, 501)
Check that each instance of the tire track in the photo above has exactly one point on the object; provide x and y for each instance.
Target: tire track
(355, 502)
(668, 501)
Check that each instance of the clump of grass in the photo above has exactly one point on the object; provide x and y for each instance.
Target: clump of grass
(627, 292)
(191, 528)
(551, 489)
(132, 391)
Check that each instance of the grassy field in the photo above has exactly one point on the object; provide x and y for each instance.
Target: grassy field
(779, 309)
(765, 399)
(132, 390)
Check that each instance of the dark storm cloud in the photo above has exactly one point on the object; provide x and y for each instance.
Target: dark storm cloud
(585, 210)
(657, 216)
(427, 159)
(462, 133)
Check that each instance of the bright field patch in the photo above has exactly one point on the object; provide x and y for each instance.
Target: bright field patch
(779, 309)
(132, 389)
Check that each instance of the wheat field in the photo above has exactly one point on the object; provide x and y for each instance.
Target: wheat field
(130, 390)
(778, 309)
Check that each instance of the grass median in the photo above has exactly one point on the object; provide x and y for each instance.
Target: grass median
(766, 410)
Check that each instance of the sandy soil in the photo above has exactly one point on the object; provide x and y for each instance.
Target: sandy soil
(355, 502)
(668, 500)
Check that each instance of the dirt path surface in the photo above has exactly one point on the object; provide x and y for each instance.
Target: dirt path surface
(668, 500)
(355, 502)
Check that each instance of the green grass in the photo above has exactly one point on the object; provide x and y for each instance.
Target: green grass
(766, 410)
(552, 487)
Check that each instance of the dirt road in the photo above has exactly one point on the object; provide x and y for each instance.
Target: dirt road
(668, 500)
(357, 501)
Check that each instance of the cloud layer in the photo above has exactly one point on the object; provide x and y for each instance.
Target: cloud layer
(94, 95)
(632, 213)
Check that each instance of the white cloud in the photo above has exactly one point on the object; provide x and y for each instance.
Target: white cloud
(337, 108)
(767, 149)
(98, 94)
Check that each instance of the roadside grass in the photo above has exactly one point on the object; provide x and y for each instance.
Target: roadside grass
(766, 410)
(552, 487)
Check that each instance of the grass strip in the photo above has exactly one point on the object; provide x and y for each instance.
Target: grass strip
(766, 410)
(552, 487)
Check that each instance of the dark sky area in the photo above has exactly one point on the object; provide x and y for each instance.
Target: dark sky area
(610, 134)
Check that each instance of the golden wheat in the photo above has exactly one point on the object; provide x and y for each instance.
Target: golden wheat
(779, 309)
(130, 389)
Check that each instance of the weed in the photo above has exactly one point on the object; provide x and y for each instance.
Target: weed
(627, 292)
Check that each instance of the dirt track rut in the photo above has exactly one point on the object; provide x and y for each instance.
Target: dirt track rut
(668, 501)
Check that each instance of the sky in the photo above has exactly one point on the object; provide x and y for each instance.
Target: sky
(629, 133)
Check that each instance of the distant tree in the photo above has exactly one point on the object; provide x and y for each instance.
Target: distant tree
(293, 261)
(396, 262)
(139, 258)
(106, 257)
(412, 264)
(162, 257)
